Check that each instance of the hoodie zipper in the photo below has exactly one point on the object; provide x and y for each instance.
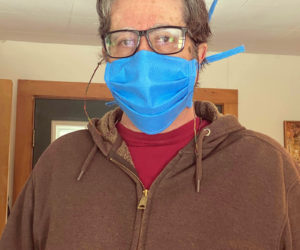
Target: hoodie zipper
(143, 201)
(142, 206)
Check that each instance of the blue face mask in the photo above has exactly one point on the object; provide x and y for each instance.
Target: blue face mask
(152, 89)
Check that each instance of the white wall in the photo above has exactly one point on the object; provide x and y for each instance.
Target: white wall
(269, 85)
(269, 89)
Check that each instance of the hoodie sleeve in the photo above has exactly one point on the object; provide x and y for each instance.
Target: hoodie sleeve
(18, 233)
(291, 235)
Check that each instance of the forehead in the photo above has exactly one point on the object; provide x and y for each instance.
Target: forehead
(145, 14)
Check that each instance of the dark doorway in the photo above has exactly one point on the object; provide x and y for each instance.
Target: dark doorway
(220, 108)
(48, 110)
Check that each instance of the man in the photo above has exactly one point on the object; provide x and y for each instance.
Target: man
(163, 174)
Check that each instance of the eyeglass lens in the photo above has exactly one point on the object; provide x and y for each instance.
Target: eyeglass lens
(161, 40)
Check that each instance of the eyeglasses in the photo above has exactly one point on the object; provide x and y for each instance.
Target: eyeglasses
(165, 40)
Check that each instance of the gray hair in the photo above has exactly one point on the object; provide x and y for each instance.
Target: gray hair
(195, 16)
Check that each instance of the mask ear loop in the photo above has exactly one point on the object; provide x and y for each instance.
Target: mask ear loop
(195, 116)
(212, 9)
(86, 92)
(197, 83)
(228, 53)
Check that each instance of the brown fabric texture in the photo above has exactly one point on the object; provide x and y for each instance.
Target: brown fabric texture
(84, 194)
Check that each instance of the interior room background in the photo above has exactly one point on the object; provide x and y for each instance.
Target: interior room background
(268, 85)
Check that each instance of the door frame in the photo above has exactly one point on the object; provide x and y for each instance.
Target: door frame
(5, 122)
(28, 90)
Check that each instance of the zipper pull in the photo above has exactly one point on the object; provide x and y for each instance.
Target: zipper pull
(143, 202)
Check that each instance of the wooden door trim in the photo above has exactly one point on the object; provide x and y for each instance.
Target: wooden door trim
(5, 122)
(228, 98)
(28, 90)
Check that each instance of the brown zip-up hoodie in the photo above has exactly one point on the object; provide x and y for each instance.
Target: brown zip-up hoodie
(239, 190)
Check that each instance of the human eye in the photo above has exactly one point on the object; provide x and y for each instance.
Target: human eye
(123, 39)
(121, 43)
(126, 42)
(164, 39)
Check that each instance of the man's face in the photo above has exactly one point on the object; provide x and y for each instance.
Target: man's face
(145, 14)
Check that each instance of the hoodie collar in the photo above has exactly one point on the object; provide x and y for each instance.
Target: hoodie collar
(107, 138)
(109, 141)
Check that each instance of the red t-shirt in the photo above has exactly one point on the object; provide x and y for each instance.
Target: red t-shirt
(151, 153)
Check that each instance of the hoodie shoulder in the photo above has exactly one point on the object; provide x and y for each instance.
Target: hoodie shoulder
(271, 152)
(73, 141)
(66, 154)
(266, 141)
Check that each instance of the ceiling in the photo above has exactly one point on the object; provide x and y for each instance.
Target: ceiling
(263, 26)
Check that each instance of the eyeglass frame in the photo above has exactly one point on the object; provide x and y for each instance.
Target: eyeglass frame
(145, 33)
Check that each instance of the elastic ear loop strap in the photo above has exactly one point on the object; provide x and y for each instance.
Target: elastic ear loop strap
(228, 53)
(87, 89)
(225, 54)
(212, 9)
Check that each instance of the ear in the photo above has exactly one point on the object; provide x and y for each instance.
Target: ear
(202, 49)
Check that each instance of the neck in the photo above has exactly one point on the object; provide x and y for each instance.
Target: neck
(185, 116)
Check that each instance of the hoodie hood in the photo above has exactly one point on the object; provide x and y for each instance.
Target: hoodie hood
(106, 136)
